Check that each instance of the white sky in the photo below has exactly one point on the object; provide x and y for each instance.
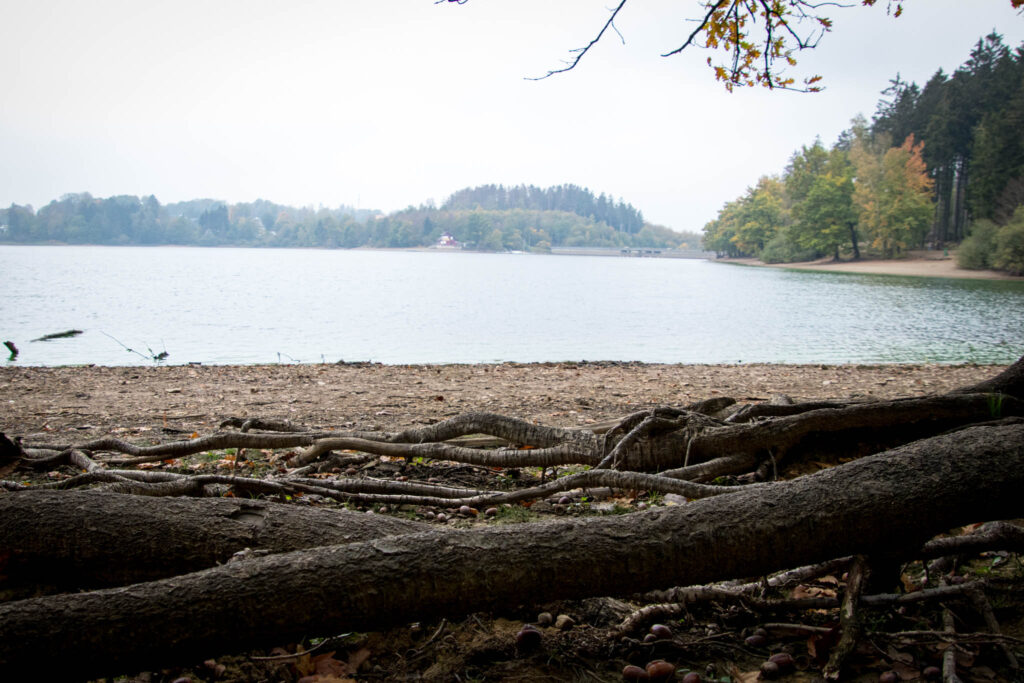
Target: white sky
(387, 103)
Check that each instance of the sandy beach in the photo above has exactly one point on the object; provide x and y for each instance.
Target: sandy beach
(917, 264)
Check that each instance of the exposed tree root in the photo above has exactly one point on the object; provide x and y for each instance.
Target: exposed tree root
(334, 570)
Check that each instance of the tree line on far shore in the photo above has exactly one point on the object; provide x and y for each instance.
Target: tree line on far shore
(936, 166)
(487, 218)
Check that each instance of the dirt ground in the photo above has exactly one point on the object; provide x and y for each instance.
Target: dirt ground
(91, 401)
(148, 404)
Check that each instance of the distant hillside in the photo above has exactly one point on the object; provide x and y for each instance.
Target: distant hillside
(488, 218)
(569, 198)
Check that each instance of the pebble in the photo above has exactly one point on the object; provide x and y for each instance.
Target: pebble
(564, 622)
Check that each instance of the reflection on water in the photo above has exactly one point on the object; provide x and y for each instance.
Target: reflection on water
(260, 306)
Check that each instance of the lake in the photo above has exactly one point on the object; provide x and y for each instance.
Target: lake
(218, 306)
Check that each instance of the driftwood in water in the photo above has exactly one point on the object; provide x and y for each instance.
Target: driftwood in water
(59, 335)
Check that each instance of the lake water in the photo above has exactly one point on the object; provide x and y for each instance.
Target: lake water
(265, 306)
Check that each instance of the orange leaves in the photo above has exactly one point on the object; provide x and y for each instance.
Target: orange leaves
(759, 39)
(323, 667)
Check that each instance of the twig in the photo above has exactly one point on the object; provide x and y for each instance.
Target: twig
(152, 356)
(949, 656)
(279, 658)
(580, 51)
(849, 618)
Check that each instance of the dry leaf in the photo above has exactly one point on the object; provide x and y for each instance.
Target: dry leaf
(356, 659)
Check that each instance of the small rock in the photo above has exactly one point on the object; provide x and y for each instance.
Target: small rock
(564, 622)
(545, 619)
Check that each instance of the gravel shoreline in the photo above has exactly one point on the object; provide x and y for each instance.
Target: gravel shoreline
(86, 402)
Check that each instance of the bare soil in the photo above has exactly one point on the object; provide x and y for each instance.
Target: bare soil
(92, 401)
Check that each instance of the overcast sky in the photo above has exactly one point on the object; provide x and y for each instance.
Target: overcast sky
(387, 103)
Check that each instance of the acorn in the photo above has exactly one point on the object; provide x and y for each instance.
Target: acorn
(545, 619)
(692, 677)
(441, 517)
(784, 661)
(467, 511)
(650, 638)
(528, 638)
(932, 673)
(660, 670)
(889, 677)
(491, 512)
(769, 669)
(755, 640)
(660, 631)
(564, 500)
(635, 673)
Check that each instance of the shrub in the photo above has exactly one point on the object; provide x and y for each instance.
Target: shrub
(780, 249)
(1009, 245)
(975, 252)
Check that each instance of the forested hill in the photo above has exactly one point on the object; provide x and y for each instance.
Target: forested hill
(489, 219)
(937, 165)
(568, 198)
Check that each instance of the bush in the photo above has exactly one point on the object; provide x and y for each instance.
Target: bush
(780, 249)
(1009, 245)
(975, 252)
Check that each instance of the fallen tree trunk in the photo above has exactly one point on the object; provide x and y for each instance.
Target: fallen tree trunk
(881, 505)
(116, 539)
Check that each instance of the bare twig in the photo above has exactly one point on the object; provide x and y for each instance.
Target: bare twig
(581, 51)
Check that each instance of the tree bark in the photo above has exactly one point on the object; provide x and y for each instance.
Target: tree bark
(883, 504)
(115, 539)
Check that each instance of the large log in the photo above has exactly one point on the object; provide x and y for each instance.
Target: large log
(887, 504)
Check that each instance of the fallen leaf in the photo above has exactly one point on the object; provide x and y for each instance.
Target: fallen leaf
(356, 659)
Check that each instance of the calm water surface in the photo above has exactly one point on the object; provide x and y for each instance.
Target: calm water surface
(264, 306)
